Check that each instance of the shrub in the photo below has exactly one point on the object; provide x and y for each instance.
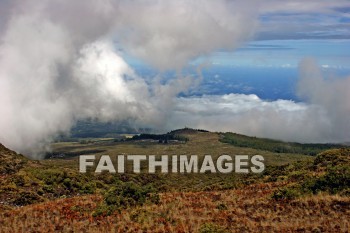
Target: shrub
(298, 175)
(103, 210)
(88, 188)
(50, 176)
(285, 194)
(124, 195)
(18, 180)
(275, 172)
(335, 180)
(26, 198)
(211, 228)
(345, 192)
(68, 183)
(333, 158)
(221, 206)
(128, 194)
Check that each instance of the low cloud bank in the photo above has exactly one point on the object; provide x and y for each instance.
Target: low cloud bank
(322, 117)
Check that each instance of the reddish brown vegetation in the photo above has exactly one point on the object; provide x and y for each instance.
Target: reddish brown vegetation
(245, 210)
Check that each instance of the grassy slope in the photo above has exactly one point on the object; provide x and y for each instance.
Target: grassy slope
(275, 145)
(200, 143)
(242, 210)
(211, 203)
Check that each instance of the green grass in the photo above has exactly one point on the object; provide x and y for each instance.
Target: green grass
(275, 145)
(200, 143)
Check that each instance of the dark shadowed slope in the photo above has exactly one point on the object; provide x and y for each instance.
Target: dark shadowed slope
(10, 161)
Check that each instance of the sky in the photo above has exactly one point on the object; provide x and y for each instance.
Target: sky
(330, 53)
(273, 69)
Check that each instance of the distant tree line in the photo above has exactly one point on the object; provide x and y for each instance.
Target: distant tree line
(161, 138)
(275, 145)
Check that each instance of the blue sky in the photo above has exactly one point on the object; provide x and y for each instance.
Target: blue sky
(287, 53)
(330, 53)
(266, 68)
(312, 19)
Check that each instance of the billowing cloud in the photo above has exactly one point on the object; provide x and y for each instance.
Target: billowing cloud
(58, 63)
(250, 115)
(167, 34)
(329, 92)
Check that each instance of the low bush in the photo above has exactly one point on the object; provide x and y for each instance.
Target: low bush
(124, 195)
(26, 198)
(211, 228)
(334, 181)
(286, 194)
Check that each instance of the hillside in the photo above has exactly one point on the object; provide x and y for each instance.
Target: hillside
(275, 145)
(10, 161)
(296, 192)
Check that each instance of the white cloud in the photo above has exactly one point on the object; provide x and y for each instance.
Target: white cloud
(248, 114)
(57, 64)
(331, 93)
(168, 34)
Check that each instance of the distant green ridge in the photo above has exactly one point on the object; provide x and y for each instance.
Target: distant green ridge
(275, 145)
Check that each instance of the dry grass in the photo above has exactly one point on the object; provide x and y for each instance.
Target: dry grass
(244, 210)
